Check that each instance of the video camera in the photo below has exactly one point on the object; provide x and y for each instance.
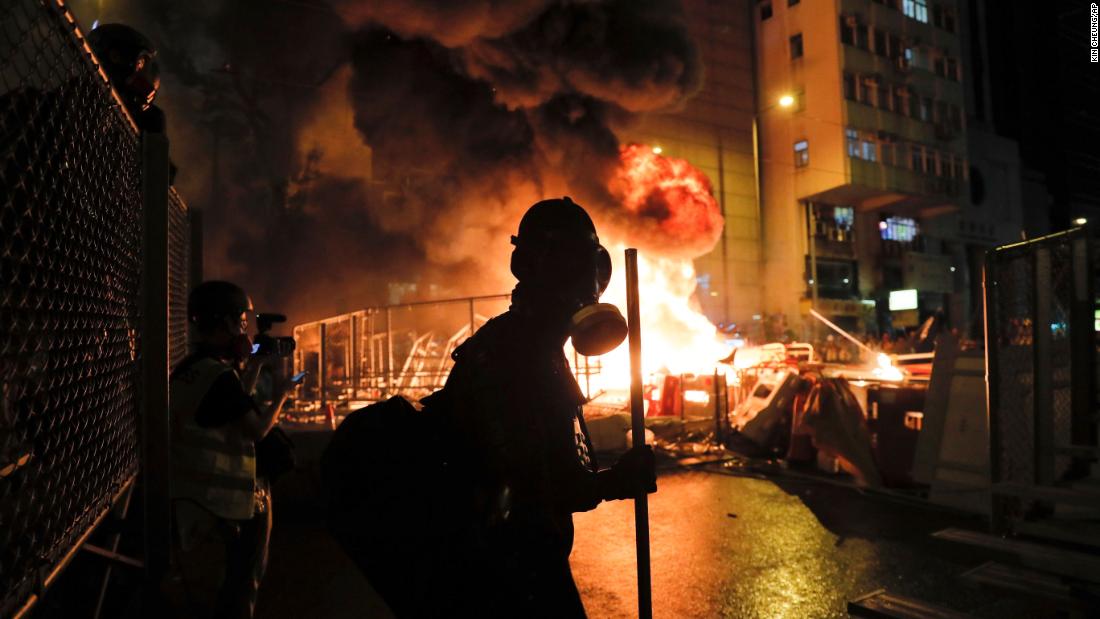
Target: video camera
(264, 344)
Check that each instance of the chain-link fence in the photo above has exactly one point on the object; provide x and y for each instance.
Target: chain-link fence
(180, 276)
(1041, 346)
(71, 284)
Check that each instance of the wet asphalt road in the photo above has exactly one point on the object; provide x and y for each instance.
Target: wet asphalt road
(727, 546)
(722, 546)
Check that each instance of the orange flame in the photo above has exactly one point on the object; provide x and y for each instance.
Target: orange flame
(673, 198)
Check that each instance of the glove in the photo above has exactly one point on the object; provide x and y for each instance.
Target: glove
(632, 476)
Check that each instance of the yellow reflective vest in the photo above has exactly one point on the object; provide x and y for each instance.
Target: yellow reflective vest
(214, 467)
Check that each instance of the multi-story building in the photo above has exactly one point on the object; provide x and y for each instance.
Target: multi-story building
(714, 131)
(863, 159)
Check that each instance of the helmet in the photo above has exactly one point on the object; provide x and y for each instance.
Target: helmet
(129, 60)
(212, 302)
(556, 241)
(558, 253)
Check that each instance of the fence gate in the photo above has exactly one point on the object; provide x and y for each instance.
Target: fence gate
(1041, 358)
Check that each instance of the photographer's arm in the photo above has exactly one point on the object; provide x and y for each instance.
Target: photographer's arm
(259, 421)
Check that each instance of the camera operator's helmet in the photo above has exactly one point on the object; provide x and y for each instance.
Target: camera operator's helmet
(212, 302)
(130, 62)
(557, 245)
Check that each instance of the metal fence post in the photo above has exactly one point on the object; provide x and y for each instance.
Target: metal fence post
(1043, 369)
(156, 457)
(195, 270)
(389, 350)
(321, 367)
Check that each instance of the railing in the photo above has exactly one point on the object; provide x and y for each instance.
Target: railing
(378, 352)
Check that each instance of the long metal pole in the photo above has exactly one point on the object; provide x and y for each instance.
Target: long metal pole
(637, 433)
(811, 220)
(155, 453)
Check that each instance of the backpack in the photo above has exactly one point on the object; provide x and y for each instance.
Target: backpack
(388, 492)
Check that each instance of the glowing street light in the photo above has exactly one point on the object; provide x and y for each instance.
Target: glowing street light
(786, 101)
(657, 150)
(1080, 221)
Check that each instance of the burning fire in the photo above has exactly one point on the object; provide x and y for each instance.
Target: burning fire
(676, 336)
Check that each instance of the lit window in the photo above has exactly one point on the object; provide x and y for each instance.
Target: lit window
(801, 154)
(869, 151)
(901, 229)
(853, 142)
(796, 46)
(844, 216)
(917, 9)
(765, 11)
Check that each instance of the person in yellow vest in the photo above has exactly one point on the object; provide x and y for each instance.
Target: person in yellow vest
(221, 511)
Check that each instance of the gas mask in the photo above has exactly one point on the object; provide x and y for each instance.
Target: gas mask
(598, 328)
(573, 275)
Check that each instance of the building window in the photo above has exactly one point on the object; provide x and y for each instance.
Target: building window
(893, 43)
(916, 158)
(929, 161)
(888, 150)
(914, 105)
(883, 97)
(870, 153)
(852, 138)
(866, 87)
(917, 9)
(847, 30)
(796, 46)
(900, 98)
(765, 11)
(949, 20)
(880, 42)
(949, 166)
(952, 69)
(861, 36)
(901, 229)
(849, 86)
(926, 109)
(801, 154)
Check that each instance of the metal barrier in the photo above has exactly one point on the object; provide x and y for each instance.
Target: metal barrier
(74, 297)
(1041, 363)
(379, 352)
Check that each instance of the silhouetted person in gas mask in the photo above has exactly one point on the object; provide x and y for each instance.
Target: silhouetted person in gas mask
(513, 405)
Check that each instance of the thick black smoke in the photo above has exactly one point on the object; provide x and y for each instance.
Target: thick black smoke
(472, 110)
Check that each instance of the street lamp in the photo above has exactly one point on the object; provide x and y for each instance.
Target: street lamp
(786, 101)
(1080, 221)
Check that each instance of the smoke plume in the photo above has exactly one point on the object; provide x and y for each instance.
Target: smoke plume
(337, 148)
